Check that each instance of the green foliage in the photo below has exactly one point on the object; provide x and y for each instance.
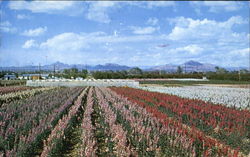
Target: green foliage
(105, 146)
(73, 72)
(179, 70)
(135, 71)
(132, 75)
(220, 70)
(64, 145)
(109, 75)
(229, 76)
(35, 148)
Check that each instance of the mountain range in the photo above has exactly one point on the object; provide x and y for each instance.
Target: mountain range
(59, 66)
(186, 67)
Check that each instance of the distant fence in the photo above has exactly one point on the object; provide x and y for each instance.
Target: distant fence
(176, 79)
(77, 83)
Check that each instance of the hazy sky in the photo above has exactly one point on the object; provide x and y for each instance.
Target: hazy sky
(128, 33)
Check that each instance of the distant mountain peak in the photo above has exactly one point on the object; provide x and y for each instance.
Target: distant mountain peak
(187, 66)
(58, 62)
(193, 63)
(111, 64)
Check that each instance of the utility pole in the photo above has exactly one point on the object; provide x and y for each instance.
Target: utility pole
(54, 70)
(185, 68)
(239, 74)
(33, 68)
(46, 61)
(39, 71)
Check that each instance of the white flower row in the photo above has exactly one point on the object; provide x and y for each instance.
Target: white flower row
(6, 98)
(233, 97)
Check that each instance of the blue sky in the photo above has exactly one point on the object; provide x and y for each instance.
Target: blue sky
(125, 32)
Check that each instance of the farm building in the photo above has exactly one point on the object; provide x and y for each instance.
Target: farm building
(10, 77)
(33, 76)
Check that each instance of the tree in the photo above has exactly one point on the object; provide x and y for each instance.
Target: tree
(217, 68)
(220, 70)
(135, 71)
(74, 70)
(179, 70)
(244, 71)
(66, 71)
(85, 71)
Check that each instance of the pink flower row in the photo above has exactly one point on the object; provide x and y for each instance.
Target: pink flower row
(153, 125)
(88, 147)
(58, 130)
(117, 133)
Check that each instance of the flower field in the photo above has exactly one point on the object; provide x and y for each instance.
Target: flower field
(20, 94)
(119, 121)
(233, 97)
(5, 90)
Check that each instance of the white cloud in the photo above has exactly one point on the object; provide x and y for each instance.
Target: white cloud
(152, 21)
(190, 29)
(7, 27)
(242, 52)
(152, 4)
(65, 41)
(98, 11)
(29, 44)
(209, 40)
(47, 6)
(22, 16)
(5, 24)
(218, 6)
(191, 49)
(35, 32)
(40, 6)
(73, 41)
(143, 30)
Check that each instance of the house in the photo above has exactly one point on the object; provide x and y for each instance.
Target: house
(79, 78)
(34, 76)
(9, 77)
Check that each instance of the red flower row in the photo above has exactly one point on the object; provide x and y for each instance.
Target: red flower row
(217, 115)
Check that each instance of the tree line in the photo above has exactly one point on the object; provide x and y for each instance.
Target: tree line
(137, 73)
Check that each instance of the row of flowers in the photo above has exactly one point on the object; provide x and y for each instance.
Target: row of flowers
(25, 123)
(118, 135)
(88, 141)
(5, 90)
(7, 98)
(229, 119)
(232, 97)
(113, 126)
(146, 133)
(190, 112)
(58, 130)
(118, 122)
